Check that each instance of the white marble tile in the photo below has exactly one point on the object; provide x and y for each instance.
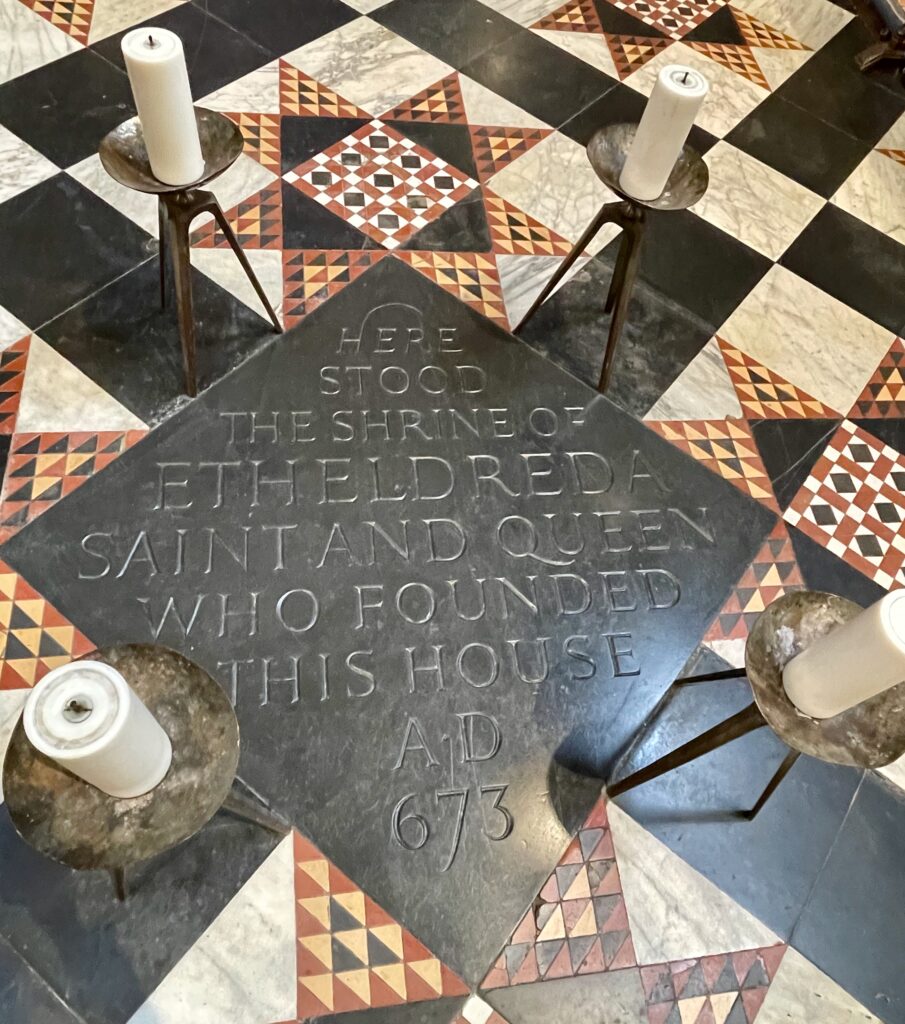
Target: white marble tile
(369, 65)
(586, 46)
(242, 969)
(523, 277)
(755, 203)
(731, 651)
(11, 329)
(476, 1011)
(808, 337)
(800, 993)
(702, 391)
(485, 107)
(895, 772)
(554, 183)
(674, 911)
(895, 137)
(731, 96)
(778, 65)
(56, 395)
(258, 92)
(525, 12)
(812, 22)
(11, 702)
(20, 165)
(111, 16)
(222, 266)
(30, 40)
(875, 192)
(365, 6)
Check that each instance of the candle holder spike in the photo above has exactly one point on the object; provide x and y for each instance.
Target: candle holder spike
(125, 158)
(687, 183)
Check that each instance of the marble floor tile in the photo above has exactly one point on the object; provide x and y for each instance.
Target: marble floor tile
(615, 998)
(365, 6)
(587, 46)
(754, 203)
(875, 192)
(485, 107)
(525, 12)
(280, 25)
(20, 165)
(11, 702)
(258, 92)
(222, 266)
(369, 65)
(812, 22)
(895, 137)
(702, 390)
(522, 278)
(37, 42)
(802, 992)
(242, 969)
(111, 16)
(731, 97)
(808, 337)
(11, 329)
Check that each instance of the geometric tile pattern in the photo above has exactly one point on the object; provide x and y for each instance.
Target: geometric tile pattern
(575, 16)
(43, 468)
(884, 394)
(496, 146)
(578, 924)
(773, 572)
(726, 447)
(758, 33)
(739, 59)
(34, 637)
(724, 989)
(632, 52)
(514, 232)
(675, 18)
(301, 95)
(257, 223)
(310, 276)
(382, 183)
(261, 135)
(763, 394)
(470, 276)
(72, 16)
(351, 954)
(440, 103)
(12, 376)
(853, 503)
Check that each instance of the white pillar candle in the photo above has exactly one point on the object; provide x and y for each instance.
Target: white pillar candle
(665, 124)
(857, 660)
(160, 85)
(86, 717)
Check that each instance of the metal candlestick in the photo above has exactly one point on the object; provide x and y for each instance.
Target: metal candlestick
(72, 822)
(125, 159)
(607, 151)
(869, 735)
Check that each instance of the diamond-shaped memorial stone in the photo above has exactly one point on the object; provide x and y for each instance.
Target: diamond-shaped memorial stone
(442, 580)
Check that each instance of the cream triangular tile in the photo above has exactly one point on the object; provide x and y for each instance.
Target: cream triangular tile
(258, 92)
(222, 266)
(137, 206)
(11, 702)
(703, 390)
(56, 395)
(485, 107)
(778, 65)
(590, 47)
(674, 911)
(243, 968)
(111, 16)
(802, 992)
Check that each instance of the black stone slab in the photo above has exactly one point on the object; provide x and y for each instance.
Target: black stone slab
(615, 997)
(515, 482)
(440, 1011)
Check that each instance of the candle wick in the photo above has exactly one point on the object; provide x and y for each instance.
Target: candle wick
(78, 709)
(684, 77)
(152, 42)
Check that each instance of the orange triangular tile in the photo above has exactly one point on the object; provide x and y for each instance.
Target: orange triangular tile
(310, 276)
(514, 232)
(759, 33)
(495, 146)
(439, 103)
(632, 52)
(470, 276)
(261, 134)
(739, 59)
(257, 223)
(301, 95)
(574, 16)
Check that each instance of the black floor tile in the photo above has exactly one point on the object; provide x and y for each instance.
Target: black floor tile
(854, 262)
(123, 340)
(621, 104)
(822, 570)
(280, 25)
(58, 244)
(789, 449)
(890, 430)
(304, 137)
(832, 88)
(107, 957)
(660, 337)
(309, 225)
(462, 228)
(439, 1011)
(539, 77)
(853, 927)
(689, 809)
(456, 31)
(452, 142)
(720, 27)
(65, 108)
(214, 52)
(799, 144)
(621, 23)
(25, 998)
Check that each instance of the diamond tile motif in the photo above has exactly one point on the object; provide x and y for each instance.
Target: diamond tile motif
(853, 503)
(575, 16)
(884, 394)
(514, 232)
(441, 103)
(470, 276)
(256, 221)
(12, 377)
(726, 447)
(310, 276)
(34, 636)
(676, 18)
(758, 33)
(351, 954)
(764, 394)
(301, 95)
(578, 924)
(496, 146)
(382, 183)
(633, 52)
(773, 572)
(725, 989)
(739, 59)
(43, 468)
(261, 133)
(72, 16)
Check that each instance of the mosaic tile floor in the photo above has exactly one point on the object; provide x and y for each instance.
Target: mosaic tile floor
(441, 143)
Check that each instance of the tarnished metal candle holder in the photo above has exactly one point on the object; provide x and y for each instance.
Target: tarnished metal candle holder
(125, 159)
(607, 151)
